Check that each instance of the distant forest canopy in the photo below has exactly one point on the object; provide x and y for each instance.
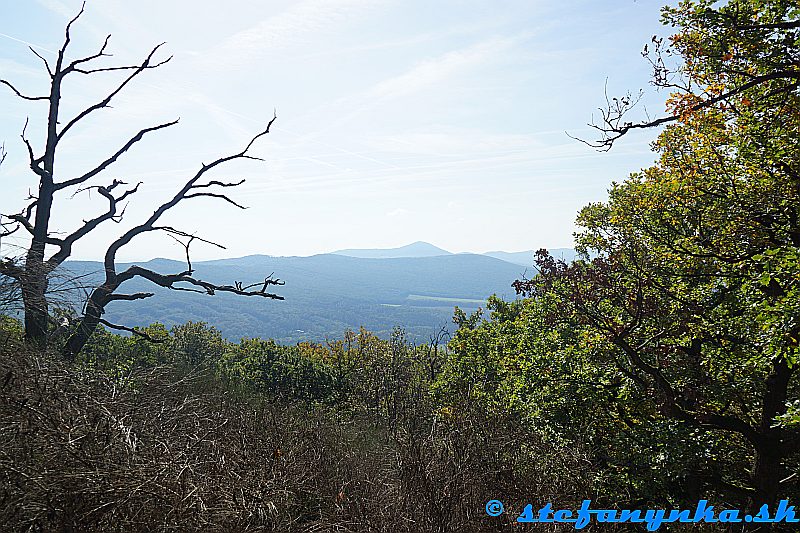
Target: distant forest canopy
(413, 287)
(328, 293)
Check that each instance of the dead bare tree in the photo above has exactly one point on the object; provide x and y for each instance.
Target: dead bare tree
(32, 274)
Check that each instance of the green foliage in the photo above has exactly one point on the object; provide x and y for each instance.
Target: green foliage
(672, 353)
(179, 449)
(12, 329)
(385, 376)
(779, 314)
(792, 415)
(524, 365)
(109, 350)
(278, 371)
(196, 343)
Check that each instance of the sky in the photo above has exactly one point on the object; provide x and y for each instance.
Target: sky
(397, 120)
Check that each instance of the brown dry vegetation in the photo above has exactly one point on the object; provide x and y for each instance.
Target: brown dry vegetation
(174, 448)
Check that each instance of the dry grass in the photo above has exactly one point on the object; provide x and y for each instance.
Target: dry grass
(171, 450)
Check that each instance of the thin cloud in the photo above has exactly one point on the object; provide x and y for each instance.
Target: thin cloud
(301, 23)
(59, 8)
(399, 212)
(544, 164)
(439, 69)
(423, 75)
(452, 141)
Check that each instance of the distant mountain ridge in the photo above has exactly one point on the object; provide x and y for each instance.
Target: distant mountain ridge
(416, 249)
(526, 258)
(424, 249)
(325, 293)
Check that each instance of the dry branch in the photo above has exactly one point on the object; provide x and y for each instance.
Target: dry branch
(35, 218)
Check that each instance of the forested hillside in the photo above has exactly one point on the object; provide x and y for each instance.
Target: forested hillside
(325, 294)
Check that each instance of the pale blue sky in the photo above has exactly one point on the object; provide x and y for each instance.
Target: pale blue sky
(398, 120)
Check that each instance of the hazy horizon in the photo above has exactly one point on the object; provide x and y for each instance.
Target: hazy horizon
(177, 257)
(396, 120)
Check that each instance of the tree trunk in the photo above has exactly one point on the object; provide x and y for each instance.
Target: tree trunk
(87, 325)
(768, 471)
(78, 340)
(34, 283)
(34, 299)
(768, 467)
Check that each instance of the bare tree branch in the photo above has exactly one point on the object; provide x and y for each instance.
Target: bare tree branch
(149, 224)
(66, 244)
(612, 126)
(34, 272)
(182, 281)
(104, 103)
(28, 212)
(186, 246)
(105, 164)
(171, 281)
(6, 232)
(22, 221)
(33, 161)
(219, 183)
(46, 64)
(67, 37)
(10, 268)
(215, 195)
(99, 54)
(180, 233)
(788, 25)
(736, 79)
(18, 93)
(130, 297)
(135, 331)
(174, 234)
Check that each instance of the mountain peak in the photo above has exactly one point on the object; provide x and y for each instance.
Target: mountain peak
(415, 249)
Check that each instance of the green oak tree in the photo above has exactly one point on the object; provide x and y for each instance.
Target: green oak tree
(670, 349)
(694, 288)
